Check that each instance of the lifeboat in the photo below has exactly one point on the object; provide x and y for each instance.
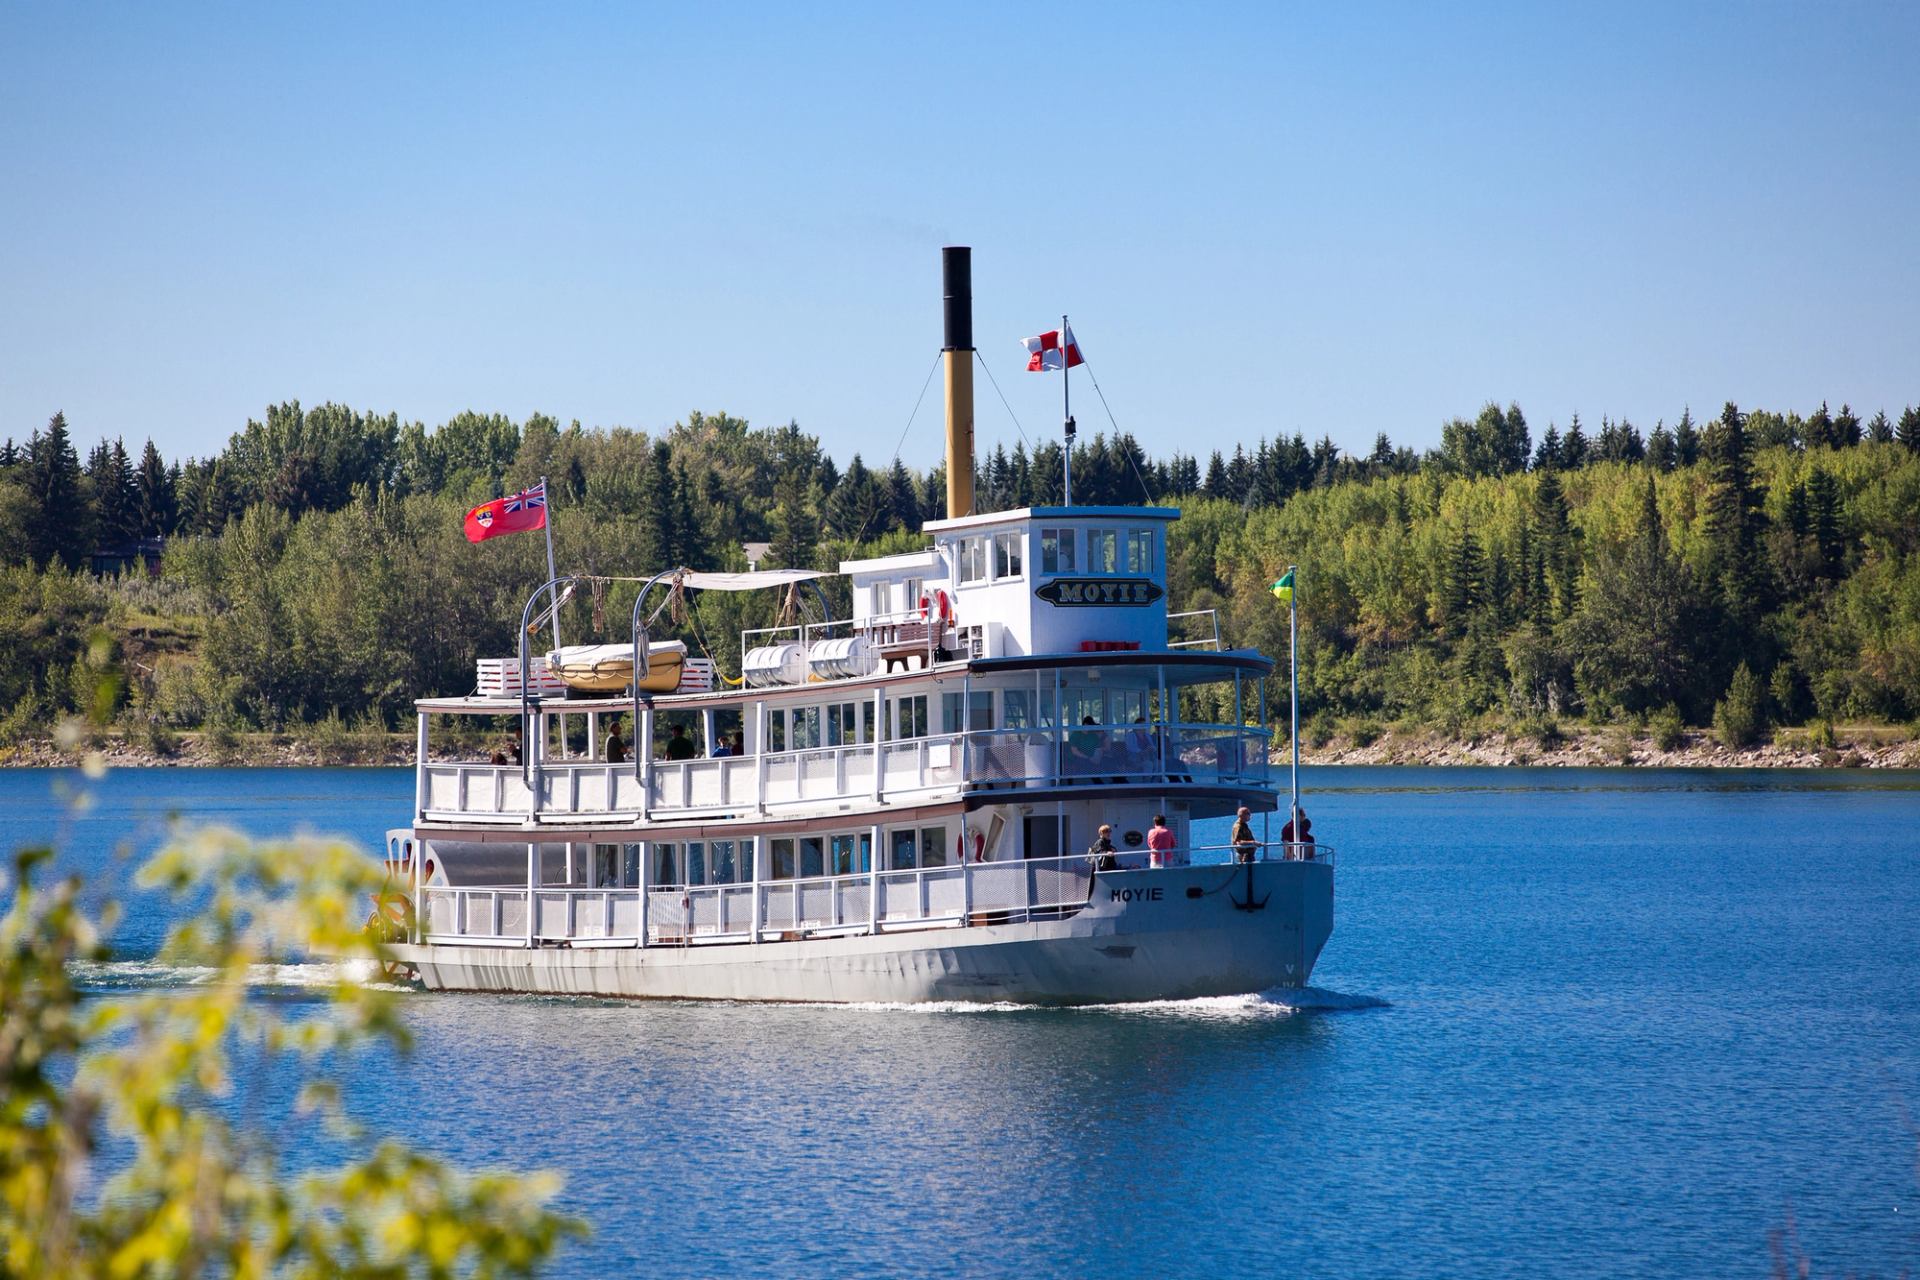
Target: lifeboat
(608, 668)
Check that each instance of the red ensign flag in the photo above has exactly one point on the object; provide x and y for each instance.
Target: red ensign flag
(1052, 350)
(523, 511)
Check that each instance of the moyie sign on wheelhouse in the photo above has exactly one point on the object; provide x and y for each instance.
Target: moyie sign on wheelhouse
(985, 784)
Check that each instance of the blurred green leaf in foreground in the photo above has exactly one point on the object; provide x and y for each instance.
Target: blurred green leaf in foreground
(197, 1185)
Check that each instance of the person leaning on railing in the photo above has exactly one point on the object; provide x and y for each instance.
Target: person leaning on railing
(1245, 846)
(1160, 842)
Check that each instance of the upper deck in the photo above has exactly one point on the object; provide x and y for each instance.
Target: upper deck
(1026, 650)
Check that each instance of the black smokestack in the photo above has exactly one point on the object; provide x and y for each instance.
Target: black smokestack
(956, 278)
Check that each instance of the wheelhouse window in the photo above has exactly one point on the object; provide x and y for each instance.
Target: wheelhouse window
(933, 846)
(910, 716)
(730, 862)
(781, 852)
(979, 711)
(1056, 551)
(1007, 560)
(972, 556)
(663, 864)
(1103, 550)
(1139, 549)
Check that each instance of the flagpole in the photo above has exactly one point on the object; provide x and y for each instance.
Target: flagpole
(547, 523)
(1066, 411)
(1293, 694)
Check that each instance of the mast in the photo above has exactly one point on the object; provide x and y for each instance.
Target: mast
(1066, 412)
(547, 524)
(1293, 692)
(956, 276)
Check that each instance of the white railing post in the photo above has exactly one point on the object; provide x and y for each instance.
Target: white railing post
(873, 880)
(759, 777)
(643, 743)
(646, 861)
(879, 736)
(420, 768)
(533, 887)
(533, 746)
(756, 843)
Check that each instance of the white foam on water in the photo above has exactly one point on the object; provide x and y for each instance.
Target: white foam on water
(112, 976)
(1279, 1003)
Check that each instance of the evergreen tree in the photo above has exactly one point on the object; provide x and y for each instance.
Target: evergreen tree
(1820, 432)
(1740, 718)
(1732, 513)
(1217, 484)
(1829, 535)
(1547, 456)
(1880, 430)
(154, 494)
(115, 500)
(1557, 547)
(1660, 448)
(1637, 635)
(1466, 580)
(1686, 439)
(59, 523)
(1909, 431)
(903, 500)
(1574, 448)
(1846, 427)
(796, 526)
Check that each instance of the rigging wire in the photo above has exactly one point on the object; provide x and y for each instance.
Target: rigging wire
(897, 445)
(988, 370)
(1116, 429)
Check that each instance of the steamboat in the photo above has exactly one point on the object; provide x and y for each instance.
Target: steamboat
(892, 806)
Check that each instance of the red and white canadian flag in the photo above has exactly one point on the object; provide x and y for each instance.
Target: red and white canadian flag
(1054, 349)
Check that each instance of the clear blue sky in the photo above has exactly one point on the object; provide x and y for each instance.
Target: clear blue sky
(1262, 219)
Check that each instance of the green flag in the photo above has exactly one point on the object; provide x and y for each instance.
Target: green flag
(1283, 589)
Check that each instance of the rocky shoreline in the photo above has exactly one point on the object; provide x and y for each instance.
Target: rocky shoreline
(1863, 747)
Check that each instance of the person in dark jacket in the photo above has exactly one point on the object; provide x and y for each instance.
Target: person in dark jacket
(1101, 851)
(1245, 845)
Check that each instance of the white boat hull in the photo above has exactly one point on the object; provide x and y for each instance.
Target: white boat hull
(1169, 934)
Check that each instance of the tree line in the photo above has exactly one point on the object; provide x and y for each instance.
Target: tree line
(1758, 566)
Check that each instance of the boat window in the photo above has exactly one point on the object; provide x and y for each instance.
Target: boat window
(852, 855)
(1140, 551)
(933, 846)
(980, 711)
(1026, 708)
(665, 864)
(1129, 705)
(776, 731)
(1056, 551)
(972, 557)
(696, 862)
(1103, 550)
(911, 717)
(781, 849)
(1079, 705)
(813, 856)
(724, 859)
(844, 723)
(803, 732)
(903, 849)
(909, 598)
(1006, 555)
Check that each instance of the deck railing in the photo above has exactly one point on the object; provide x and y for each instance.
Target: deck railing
(1081, 755)
(683, 915)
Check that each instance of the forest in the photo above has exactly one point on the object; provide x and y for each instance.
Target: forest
(1746, 572)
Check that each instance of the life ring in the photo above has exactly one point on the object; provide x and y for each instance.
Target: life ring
(926, 606)
(945, 605)
(979, 845)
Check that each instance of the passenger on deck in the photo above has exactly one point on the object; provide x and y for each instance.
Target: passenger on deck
(499, 756)
(721, 750)
(1101, 851)
(515, 749)
(1300, 847)
(1242, 839)
(737, 744)
(1083, 747)
(679, 746)
(1160, 842)
(616, 747)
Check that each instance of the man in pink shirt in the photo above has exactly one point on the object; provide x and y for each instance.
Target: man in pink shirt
(1160, 842)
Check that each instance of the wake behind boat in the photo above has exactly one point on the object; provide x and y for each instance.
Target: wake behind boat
(890, 806)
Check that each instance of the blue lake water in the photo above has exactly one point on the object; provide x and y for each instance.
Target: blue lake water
(1595, 1022)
